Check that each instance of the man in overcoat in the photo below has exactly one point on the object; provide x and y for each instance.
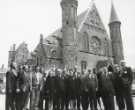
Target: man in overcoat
(84, 90)
(127, 79)
(117, 83)
(11, 80)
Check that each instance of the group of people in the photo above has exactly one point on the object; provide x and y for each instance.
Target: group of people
(57, 89)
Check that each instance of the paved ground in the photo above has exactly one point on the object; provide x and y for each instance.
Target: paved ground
(2, 102)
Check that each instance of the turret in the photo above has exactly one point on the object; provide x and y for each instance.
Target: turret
(11, 54)
(116, 38)
(69, 19)
(69, 30)
(41, 38)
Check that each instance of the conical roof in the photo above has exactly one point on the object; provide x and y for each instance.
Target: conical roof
(113, 17)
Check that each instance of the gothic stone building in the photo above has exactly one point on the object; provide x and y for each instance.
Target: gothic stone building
(19, 55)
(82, 40)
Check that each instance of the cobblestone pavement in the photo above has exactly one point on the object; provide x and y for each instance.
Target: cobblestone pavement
(2, 102)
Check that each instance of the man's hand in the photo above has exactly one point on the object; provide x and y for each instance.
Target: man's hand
(17, 90)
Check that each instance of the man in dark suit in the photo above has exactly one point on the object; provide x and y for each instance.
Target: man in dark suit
(55, 90)
(117, 83)
(67, 89)
(43, 92)
(47, 91)
(58, 90)
(127, 78)
(84, 90)
(73, 86)
(20, 93)
(62, 89)
(106, 89)
(78, 89)
(93, 85)
(11, 79)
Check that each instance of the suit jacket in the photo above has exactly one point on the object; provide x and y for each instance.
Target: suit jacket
(53, 85)
(106, 84)
(61, 82)
(67, 82)
(78, 86)
(47, 86)
(117, 82)
(84, 83)
(92, 82)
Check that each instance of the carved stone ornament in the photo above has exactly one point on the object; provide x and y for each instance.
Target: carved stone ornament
(95, 45)
(95, 19)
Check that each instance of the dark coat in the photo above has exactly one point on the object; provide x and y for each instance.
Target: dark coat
(106, 84)
(127, 77)
(92, 82)
(11, 86)
(53, 85)
(47, 86)
(117, 82)
(67, 82)
(84, 84)
(11, 81)
(61, 84)
(23, 81)
(78, 86)
(73, 86)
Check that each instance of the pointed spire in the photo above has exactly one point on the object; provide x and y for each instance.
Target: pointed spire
(113, 17)
(92, 4)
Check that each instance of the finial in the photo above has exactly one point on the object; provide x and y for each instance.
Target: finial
(14, 45)
(92, 1)
(41, 38)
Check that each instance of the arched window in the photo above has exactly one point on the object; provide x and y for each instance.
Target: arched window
(53, 53)
(83, 65)
(85, 41)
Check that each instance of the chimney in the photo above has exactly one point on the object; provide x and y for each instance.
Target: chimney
(14, 45)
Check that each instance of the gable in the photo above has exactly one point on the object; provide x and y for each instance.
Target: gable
(81, 17)
(92, 19)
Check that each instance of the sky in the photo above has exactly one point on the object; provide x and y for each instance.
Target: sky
(24, 20)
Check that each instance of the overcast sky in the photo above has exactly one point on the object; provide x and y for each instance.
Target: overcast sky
(24, 20)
